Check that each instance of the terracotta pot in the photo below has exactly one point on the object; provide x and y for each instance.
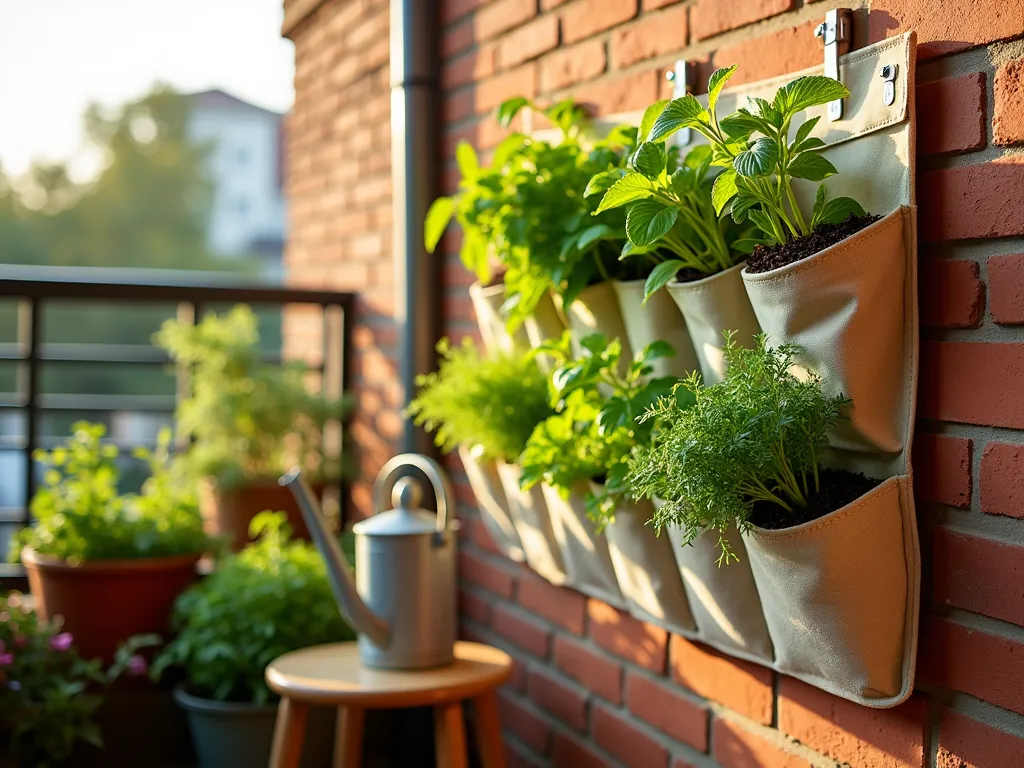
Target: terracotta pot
(228, 512)
(106, 602)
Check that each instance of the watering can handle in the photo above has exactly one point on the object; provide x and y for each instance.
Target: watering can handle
(438, 479)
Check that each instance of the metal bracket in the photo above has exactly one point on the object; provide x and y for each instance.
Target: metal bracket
(683, 78)
(889, 73)
(837, 33)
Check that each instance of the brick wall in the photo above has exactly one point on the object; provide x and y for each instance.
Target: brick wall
(592, 685)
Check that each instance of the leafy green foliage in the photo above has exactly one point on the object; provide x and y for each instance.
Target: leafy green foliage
(761, 161)
(491, 400)
(671, 222)
(271, 598)
(595, 428)
(49, 695)
(756, 436)
(527, 210)
(81, 517)
(250, 420)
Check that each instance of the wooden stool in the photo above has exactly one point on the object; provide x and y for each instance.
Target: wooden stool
(333, 675)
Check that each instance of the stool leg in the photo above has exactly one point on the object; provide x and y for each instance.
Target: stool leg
(289, 733)
(450, 736)
(348, 737)
(487, 725)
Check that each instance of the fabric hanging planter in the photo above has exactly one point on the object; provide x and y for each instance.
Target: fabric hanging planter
(529, 514)
(596, 310)
(710, 306)
(588, 564)
(487, 303)
(492, 504)
(657, 320)
(646, 570)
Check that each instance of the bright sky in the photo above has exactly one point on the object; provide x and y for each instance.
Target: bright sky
(56, 56)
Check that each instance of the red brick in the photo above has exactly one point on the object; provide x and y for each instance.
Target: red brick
(851, 733)
(524, 632)
(978, 574)
(666, 710)
(531, 729)
(739, 685)
(564, 607)
(575, 753)
(516, 82)
(736, 747)
(946, 27)
(501, 16)
(975, 662)
(1008, 118)
(653, 35)
(713, 17)
(528, 42)
(650, 5)
(582, 20)
(618, 736)
(967, 743)
(452, 10)
(547, 5)
(942, 469)
(457, 39)
(622, 94)
(973, 201)
(1002, 479)
(474, 607)
(468, 68)
(477, 570)
(517, 757)
(619, 633)
(972, 382)
(1006, 288)
(951, 115)
(564, 701)
(788, 50)
(569, 66)
(458, 105)
(590, 669)
(952, 294)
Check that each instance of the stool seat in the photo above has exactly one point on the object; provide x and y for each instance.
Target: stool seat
(334, 675)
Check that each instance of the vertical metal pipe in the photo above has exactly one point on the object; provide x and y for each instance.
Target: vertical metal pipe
(414, 121)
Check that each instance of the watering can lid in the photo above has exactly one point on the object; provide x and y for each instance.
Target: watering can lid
(406, 519)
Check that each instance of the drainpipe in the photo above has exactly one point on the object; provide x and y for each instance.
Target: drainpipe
(414, 121)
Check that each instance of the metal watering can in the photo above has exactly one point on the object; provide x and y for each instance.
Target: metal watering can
(402, 601)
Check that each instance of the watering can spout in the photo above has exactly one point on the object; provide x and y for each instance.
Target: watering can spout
(365, 621)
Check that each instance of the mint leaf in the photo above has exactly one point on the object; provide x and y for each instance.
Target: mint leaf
(678, 113)
(602, 181)
(436, 221)
(811, 166)
(839, 209)
(631, 187)
(650, 115)
(647, 221)
(759, 159)
(805, 129)
(716, 83)
(509, 109)
(650, 159)
(723, 190)
(806, 92)
(466, 159)
(660, 276)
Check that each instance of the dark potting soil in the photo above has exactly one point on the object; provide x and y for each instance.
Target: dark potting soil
(837, 489)
(768, 257)
(689, 275)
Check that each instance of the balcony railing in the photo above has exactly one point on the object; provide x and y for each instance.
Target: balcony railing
(74, 344)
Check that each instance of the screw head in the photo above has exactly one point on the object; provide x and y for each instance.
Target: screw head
(670, 75)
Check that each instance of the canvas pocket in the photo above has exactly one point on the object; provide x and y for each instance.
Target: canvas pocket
(492, 503)
(533, 524)
(596, 310)
(657, 320)
(839, 595)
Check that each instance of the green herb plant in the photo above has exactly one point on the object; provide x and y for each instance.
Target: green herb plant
(271, 598)
(761, 161)
(595, 429)
(80, 516)
(249, 420)
(49, 695)
(757, 436)
(528, 212)
(492, 400)
(670, 219)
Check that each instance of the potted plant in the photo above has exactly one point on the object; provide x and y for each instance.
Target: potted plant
(485, 405)
(249, 421)
(49, 694)
(527, 211)
(110, 564)
(272, 597)
(583, 454)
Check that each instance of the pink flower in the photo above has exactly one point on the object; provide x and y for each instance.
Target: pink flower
(137, 666)
(6, 659)
(62, 642)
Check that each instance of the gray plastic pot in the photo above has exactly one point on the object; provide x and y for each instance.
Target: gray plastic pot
(240, 735)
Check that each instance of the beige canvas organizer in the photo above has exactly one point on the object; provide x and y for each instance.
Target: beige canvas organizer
(841, 594)
(492, 503)
(657, 320)
(645, 569)
(532, 521)
(596, 310)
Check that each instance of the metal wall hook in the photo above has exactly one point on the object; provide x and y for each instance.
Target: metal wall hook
(684, 80)
(837, 33)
